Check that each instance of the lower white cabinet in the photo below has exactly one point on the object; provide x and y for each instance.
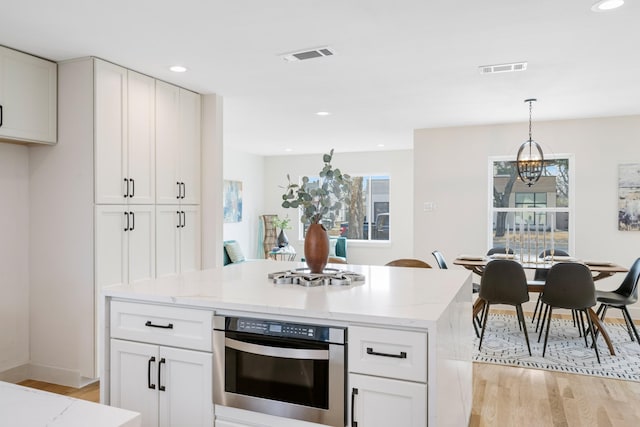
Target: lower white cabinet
(170, 387)
(383, 402)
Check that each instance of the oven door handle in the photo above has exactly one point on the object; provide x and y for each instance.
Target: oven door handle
(287, 353)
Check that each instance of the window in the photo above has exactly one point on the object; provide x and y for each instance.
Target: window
(369, 199)
(533, 219)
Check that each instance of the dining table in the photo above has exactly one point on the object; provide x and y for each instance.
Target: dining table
(600, 270)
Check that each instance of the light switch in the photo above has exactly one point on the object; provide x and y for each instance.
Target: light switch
(429, 206)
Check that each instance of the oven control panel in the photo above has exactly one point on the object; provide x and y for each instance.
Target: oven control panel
(277, 329)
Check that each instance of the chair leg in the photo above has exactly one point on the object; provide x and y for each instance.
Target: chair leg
(593, 336)
(546, 336)
(574, 317)
(581, 327)
(535, 310)
(485, 315)
(544, 317)
(625, 312)
(524, 325)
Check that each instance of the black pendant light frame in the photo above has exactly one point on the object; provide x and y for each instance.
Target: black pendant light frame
(530, 159)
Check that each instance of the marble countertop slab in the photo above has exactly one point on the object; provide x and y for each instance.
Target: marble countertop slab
(27, 407)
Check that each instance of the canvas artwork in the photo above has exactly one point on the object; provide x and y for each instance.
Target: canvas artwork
(232, 201)
(629, 197)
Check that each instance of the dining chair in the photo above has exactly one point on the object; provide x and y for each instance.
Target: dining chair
(626, 294)
(504, 282)
(499, 250)
(569, 285)
(408, 262)
(540, 275)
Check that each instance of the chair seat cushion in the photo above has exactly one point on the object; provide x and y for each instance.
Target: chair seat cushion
(613, 298)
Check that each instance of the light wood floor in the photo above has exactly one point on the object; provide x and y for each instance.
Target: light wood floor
(90, 392)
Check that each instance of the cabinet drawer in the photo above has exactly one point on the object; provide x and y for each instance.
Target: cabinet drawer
(158, 324)
(388, 353)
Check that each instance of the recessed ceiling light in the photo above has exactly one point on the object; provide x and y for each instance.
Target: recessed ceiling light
(380, 145)
(323, 113)
(604, 5)
(288, 150)
(178, 69)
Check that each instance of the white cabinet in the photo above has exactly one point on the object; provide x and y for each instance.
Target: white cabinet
(387, 377)
(177, 239)
(124, 135)
(177, 145)
(28, 97)
(124, 244)
(170, 386)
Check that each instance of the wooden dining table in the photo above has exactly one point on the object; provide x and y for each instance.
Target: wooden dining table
(600, 270)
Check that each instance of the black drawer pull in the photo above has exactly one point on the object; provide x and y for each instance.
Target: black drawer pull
(402, 355)
(354, 392)
(160, 386)
(149, 385)
(169, 326)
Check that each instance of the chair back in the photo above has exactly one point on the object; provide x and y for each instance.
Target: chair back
(440, 259)
(569, 285)
(541, 273)
(408, 262)
(504, 282)
(629, 286)
(499, 250)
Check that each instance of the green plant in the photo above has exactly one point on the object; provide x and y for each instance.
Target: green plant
(319, 200)
(282, 223)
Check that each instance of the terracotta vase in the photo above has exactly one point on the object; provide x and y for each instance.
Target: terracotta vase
(316, 248)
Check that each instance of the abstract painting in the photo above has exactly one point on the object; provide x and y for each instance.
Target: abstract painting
(232, 210)
(629, 197)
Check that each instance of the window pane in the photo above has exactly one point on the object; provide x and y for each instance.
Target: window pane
(531, 233)
(366, 213)
(553, 186)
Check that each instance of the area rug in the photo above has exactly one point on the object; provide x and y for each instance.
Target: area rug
(504, 344)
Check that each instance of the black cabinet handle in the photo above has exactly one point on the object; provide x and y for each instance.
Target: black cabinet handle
(126, 192)
(149, 385)
(133, 221)
(0, 115)
(184, 190)
(402, 355)
(126, 228)
(179, 190)
(354, 391)
(152, 325)
(133, 187)
(184, 219)
(160, 386)
(179, 219)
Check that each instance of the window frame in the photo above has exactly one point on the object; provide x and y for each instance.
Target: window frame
(570, 209)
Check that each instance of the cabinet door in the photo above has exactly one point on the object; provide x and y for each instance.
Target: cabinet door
(167, 143)
(111, 255)
(141, 243)
(28, 97)
(110, 133)
(185, 381)
(189, 131)
(381, 402)
(168, 220)
(141, 138)
(134, 379)
(190, 238)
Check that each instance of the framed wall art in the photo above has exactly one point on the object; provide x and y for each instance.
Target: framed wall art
(629, 197)
(232, 208)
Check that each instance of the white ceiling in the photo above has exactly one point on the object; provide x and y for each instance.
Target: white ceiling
(400, 64)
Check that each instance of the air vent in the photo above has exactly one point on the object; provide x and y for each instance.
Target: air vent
(308, 54)
(502, 68)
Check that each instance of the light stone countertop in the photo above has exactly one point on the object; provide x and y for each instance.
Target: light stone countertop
(398, 296)
(27, 407)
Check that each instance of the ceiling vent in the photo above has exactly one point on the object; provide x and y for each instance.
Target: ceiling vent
(502, 68)
(308, 54)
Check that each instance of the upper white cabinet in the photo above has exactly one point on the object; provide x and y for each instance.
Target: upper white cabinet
(124, 135)
(28, 91)
(177, 145)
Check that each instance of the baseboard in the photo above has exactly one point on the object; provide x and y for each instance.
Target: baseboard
(15, 375)
(66, 377)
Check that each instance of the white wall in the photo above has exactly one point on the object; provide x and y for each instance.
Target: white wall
(248, 168)
(451, 167)
(397, 164)
(14, 255)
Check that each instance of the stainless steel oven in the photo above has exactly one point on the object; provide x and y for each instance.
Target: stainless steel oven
(286, 369)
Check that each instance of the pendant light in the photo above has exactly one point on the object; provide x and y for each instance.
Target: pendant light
(530, 160)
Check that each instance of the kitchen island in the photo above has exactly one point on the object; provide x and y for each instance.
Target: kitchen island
(420, 314)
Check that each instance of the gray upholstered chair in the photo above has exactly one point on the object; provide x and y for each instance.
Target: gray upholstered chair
(504, 282)
(569, 285)
(626, 294)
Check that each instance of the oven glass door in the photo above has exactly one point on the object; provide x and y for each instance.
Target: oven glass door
(282, 369)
